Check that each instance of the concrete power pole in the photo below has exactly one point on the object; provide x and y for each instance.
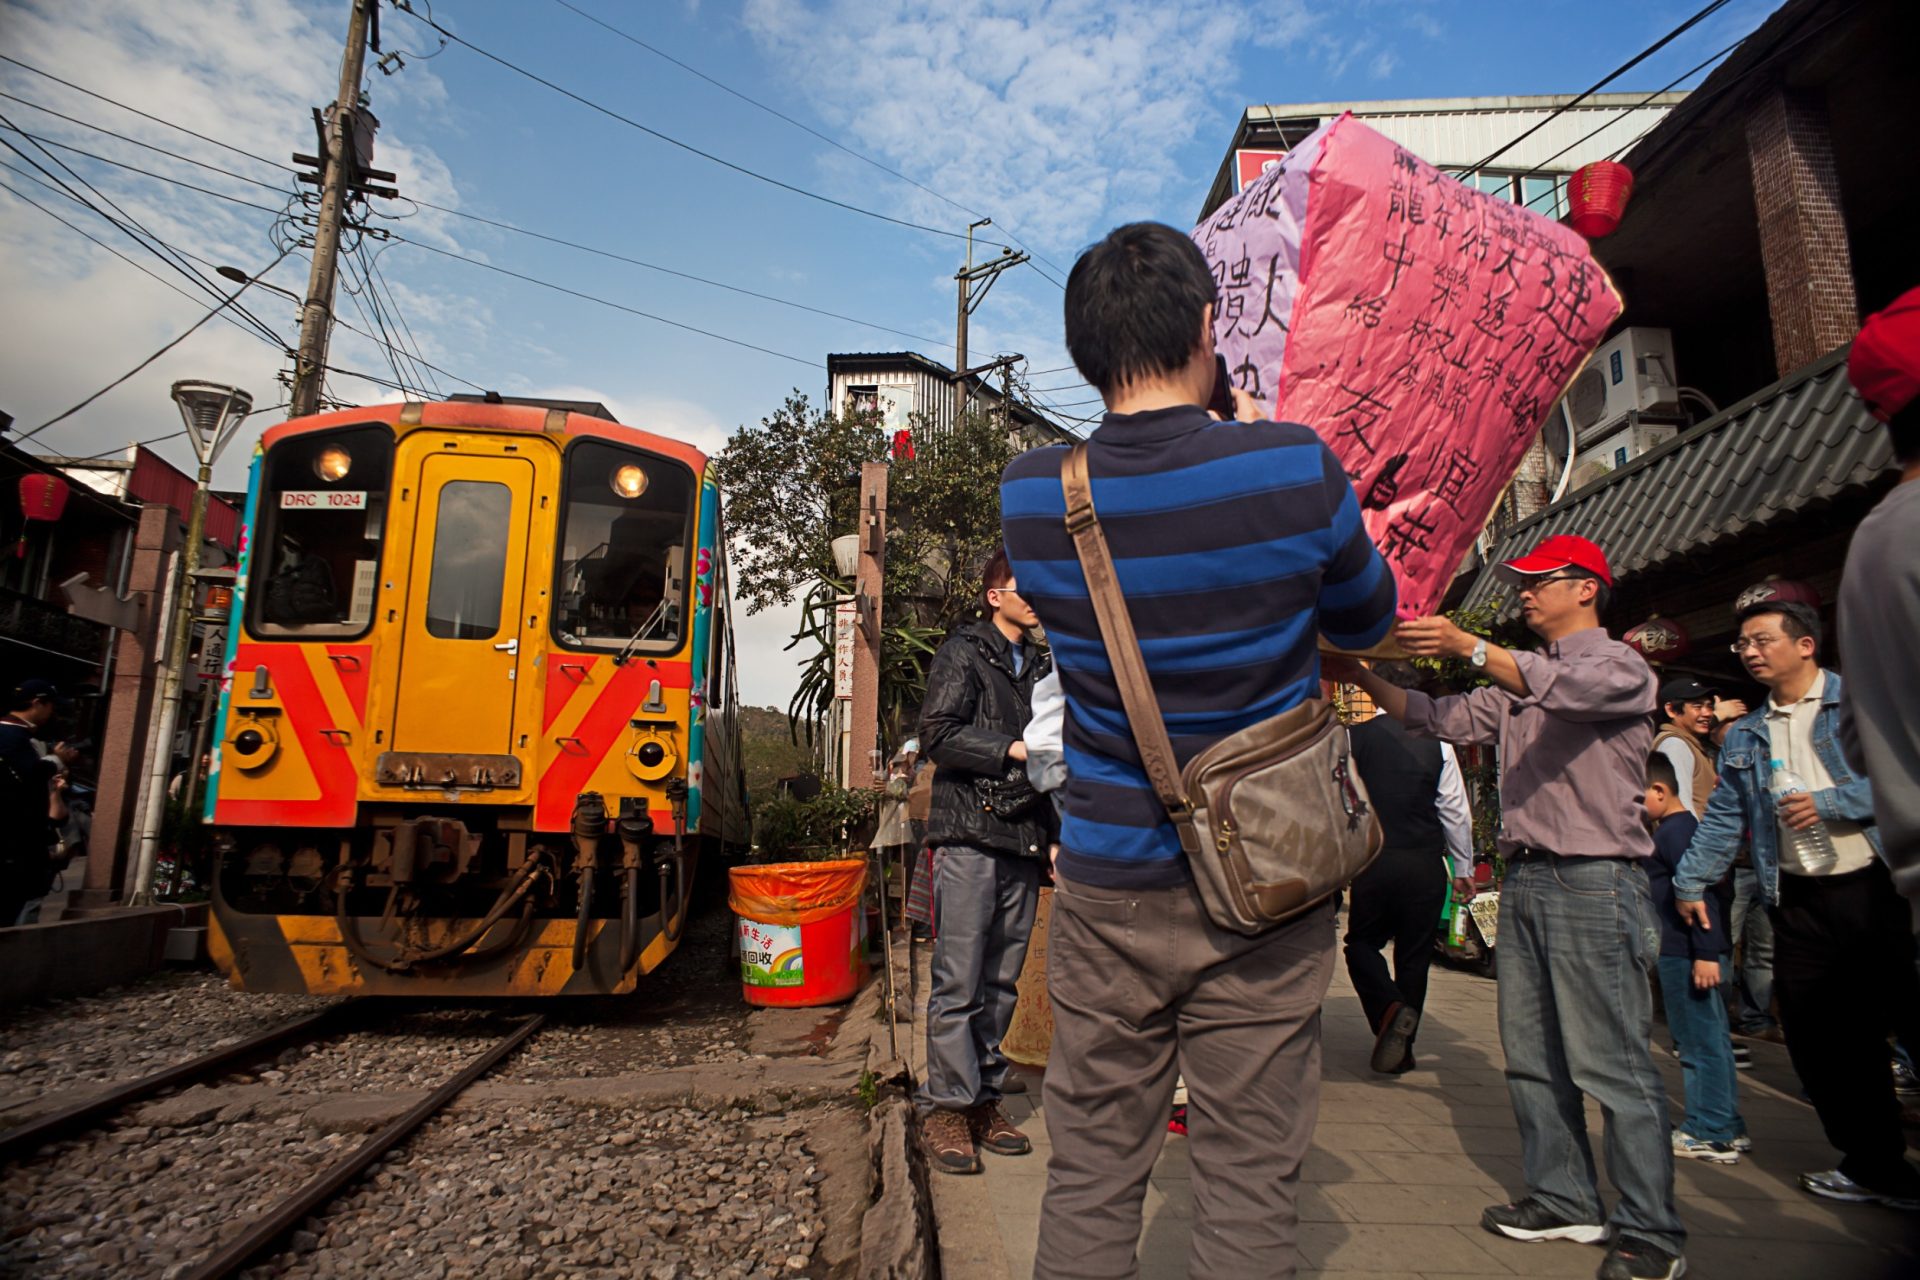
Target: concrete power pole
(864, 765)
(973, 284)
(316, 313)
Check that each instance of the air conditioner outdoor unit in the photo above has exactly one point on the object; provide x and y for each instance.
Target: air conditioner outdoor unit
(1623, 445)
(1631, 373)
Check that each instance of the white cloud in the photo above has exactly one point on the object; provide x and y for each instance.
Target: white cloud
(1383, 64)
(1056, 115)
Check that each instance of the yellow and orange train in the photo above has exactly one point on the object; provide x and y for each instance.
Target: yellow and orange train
(477, 722)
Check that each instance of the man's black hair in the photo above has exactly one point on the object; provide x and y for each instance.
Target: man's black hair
(998, 573)
(1660, 773)
(1799, 621)
(1602, 597)
(1905, 430)
(1135, 302)
(1401, 675)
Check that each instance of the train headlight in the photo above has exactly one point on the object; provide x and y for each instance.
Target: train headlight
(254, 745)
(652, 756)
(629, 481)
(333, 464)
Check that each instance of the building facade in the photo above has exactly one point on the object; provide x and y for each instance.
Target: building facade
(910, 391)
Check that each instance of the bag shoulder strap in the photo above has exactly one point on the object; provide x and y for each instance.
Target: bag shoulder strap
(1122, 645)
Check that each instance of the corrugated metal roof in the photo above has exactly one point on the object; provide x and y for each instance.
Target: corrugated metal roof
(1800, 444)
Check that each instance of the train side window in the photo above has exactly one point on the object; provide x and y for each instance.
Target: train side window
(623, 564)
(469, 559)
(315, 544)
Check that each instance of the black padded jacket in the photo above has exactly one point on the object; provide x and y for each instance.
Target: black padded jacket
(975, 710)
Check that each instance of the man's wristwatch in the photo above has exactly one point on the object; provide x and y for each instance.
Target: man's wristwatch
(1479, 658)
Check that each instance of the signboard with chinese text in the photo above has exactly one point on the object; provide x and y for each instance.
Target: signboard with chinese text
(1423, 328)
(845, 619)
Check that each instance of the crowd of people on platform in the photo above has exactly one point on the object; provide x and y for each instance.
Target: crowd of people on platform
(1664, 845)
(38, 830)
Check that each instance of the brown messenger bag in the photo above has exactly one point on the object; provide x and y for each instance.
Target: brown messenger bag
(1274, 819)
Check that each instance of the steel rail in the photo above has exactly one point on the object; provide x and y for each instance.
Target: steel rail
(28, 1137)
(267, 1230)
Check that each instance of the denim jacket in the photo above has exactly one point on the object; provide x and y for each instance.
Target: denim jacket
(1741, 803)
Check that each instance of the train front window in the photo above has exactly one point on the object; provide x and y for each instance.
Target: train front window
(623, 550)
(317, 532)
(469, 559)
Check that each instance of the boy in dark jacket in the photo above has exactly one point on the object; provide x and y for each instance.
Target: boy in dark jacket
(1692, 969)
(990, 829)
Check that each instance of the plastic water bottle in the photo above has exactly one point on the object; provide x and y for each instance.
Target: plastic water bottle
(1812, 846)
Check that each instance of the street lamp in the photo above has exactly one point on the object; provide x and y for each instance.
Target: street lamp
(212, 412)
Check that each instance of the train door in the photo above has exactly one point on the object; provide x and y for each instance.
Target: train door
(460, 646)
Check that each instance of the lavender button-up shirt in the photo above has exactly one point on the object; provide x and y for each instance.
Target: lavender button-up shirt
(1573, 753)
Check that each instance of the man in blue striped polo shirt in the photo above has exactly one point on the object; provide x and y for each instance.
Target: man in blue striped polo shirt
(1237, 545)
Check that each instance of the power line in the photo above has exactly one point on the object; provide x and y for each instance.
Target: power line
(427, 204)
(406, 7)
(1012, 234)
(447, 253)
(605, 302)
(184, 335)
(1609, 78)
(130, 227)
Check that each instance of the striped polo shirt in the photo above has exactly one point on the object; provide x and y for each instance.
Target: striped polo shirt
(1236, 545)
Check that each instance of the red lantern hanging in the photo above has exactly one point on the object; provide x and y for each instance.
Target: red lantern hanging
(1659, 639)
(42, 497)
(1597, 195)
(903, 445)
(1776, 590)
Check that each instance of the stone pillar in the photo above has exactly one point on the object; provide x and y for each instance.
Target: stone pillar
(1803, 231)
(863, 711)
(122, 750)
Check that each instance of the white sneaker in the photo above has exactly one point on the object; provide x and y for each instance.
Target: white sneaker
(1688, 1147)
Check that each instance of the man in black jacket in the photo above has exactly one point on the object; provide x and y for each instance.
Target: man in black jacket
(26, 831)
(990, 830)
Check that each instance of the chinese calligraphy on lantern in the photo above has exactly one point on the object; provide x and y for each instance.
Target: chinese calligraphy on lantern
(1423, 328)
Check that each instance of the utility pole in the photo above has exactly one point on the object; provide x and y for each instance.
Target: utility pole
(337, 162)
(864, 765)
(973, 285)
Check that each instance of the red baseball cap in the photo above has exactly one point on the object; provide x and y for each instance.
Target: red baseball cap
(1884, 365)
(1562, 551)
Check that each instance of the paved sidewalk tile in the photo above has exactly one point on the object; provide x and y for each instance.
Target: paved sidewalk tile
(1401, 1168)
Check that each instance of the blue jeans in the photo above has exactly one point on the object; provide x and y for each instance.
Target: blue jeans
(1578, 940)
(1752, 928)
(1698, 1021)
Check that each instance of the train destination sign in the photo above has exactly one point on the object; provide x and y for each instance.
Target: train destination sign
(1424, 327)
(324, 500)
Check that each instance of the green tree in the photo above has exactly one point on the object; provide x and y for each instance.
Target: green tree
(792, 485)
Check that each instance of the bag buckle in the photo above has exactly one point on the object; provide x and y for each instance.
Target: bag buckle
(1081, 516)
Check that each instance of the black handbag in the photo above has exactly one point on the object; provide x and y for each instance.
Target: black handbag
(1009, 797)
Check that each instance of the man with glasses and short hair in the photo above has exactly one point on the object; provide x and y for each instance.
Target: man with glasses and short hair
(1843, 964)
(990, 829)
(1578, 934)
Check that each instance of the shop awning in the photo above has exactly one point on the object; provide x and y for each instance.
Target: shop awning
(1801, 444)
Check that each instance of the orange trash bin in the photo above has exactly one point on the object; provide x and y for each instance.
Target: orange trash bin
(801, 931)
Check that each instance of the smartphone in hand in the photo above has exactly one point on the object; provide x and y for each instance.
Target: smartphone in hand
(1222, 401)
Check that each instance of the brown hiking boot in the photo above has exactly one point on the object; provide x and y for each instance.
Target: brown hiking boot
(994, 1130)
(948, 1138)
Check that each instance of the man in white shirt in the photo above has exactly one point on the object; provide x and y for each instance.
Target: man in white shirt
(1416, 788)
(1843, 965)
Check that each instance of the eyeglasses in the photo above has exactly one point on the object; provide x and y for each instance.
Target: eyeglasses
(1745, 643)
(1538, 583)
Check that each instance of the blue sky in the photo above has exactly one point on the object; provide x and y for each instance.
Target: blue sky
(1060, 118)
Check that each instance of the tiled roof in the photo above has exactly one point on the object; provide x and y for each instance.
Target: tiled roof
(1799, 445)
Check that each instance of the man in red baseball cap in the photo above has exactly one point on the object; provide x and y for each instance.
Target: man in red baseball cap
(1880, 598)
(1573, 723)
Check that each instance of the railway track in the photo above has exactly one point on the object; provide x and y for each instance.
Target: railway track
(265, 1230)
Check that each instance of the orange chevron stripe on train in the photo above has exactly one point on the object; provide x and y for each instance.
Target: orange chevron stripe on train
(477, 724)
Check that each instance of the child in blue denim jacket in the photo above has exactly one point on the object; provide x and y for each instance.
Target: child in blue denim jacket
(1692, 969)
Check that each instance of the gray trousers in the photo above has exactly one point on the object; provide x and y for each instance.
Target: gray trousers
(1752, 928)
(1145, 988)
(983, 908)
